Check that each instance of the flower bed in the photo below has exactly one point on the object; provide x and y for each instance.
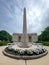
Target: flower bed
(36, 51)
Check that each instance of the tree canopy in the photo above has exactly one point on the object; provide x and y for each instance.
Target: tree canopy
(44, 35)
(5, 36)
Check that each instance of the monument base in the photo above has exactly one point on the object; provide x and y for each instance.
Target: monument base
(23, 45)
(33, 52)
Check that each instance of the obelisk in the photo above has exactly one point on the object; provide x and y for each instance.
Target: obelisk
(24, 22)
(25, 43)
(25, 38)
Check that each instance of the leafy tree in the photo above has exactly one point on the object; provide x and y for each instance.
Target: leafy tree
(5, 36)
(44, 35)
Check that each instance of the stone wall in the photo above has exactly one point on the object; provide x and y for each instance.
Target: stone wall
(30, 37)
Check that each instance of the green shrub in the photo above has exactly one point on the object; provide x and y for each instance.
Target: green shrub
(5, 36)
(22, 52)
(3, 43)
(45, 43)
(38, 41)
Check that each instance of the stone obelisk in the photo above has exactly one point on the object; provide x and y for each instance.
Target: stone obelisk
(24, 43)
(25, 36)
(24, 22)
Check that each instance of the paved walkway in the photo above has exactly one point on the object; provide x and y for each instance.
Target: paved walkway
(4, 60)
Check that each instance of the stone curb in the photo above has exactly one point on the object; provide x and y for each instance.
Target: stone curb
(24, 57)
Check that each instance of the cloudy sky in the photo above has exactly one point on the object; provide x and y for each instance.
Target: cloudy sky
(11, 15)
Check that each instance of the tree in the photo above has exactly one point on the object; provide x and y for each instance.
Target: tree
(5, 36)
(44, 35)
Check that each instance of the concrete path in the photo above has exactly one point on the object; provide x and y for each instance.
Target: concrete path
(4, 60)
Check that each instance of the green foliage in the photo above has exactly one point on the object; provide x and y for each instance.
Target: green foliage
(5, 36)
(44, 35)
(3, 43)
(26, 52)
(46, 43)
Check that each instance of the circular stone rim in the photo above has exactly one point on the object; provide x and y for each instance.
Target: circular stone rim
(24, 57)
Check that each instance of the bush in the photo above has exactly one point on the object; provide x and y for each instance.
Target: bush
(45, 43)
(22, 52)
(36, 51)
(38, 41)
(28, 52)
(5, 36)
(3, 43)
(44, 36)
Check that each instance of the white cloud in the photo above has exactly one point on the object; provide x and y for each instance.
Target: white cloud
(12, 12)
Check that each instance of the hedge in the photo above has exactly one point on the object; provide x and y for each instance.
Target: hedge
(3, 43)
(45, 43)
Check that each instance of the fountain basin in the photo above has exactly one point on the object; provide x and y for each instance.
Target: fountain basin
(33, 52)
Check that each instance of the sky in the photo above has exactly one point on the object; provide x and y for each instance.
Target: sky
(11, 15)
